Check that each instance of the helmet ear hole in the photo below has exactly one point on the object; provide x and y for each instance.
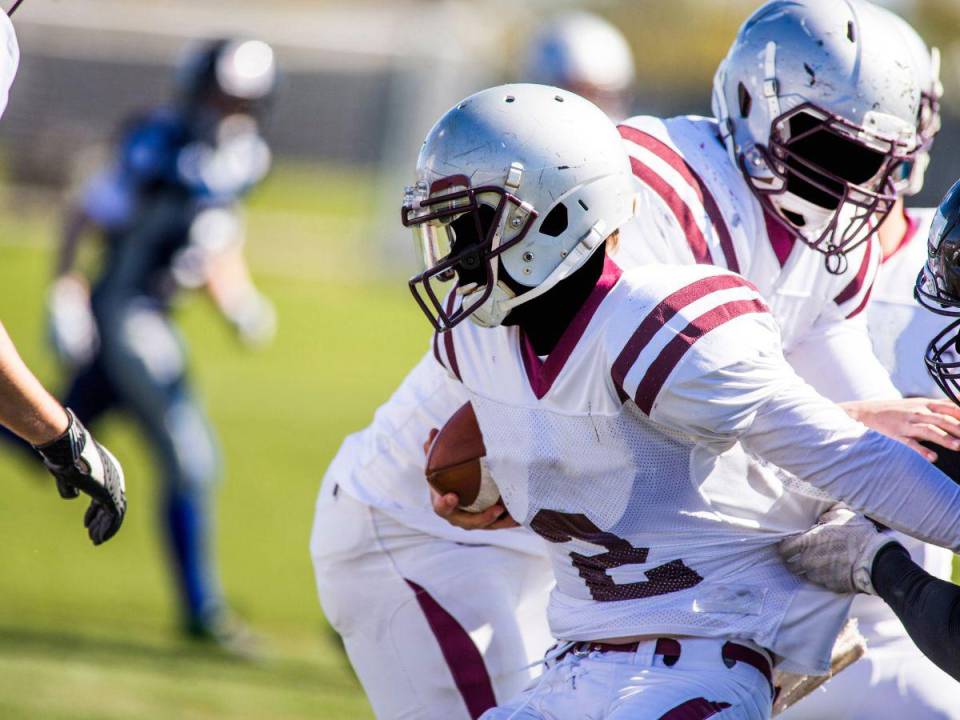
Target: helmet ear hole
(555, 222)
(745, 101)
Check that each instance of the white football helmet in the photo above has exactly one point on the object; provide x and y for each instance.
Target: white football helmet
(9, 59)
(909, 179)
(585, 54)
(516, 187)
(818, 103)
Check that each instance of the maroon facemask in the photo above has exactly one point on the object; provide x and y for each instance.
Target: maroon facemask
(831, 164)
(461, 231)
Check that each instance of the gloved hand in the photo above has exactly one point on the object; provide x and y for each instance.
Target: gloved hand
(255, 320)
(838, 552)
(72, 328)
(80, 464)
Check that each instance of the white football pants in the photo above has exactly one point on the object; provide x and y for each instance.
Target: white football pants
(642, 686)
(434, 629)
(893, 680)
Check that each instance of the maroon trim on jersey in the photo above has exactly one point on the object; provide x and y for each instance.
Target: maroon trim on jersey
(461, 654)
(661, 315)
(696, 709)
(670, 356)
(856, 285)
(543, 373)
(913, 224)
(863, 303)
(781, 240)
(682, 167)
(448, 348)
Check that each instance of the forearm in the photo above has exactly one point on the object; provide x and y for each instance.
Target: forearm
(929, 608)
(26, 408)
(815, 440)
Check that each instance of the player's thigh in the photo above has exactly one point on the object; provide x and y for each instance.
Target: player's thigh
(691, 696)
(498, 597)
(411, 654)
(146, 363)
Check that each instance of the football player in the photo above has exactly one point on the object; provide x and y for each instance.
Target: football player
(382, 468)
(585, 54)
(897, 677)
(847, 553)
(621, 414)
(166, 211)
(786, 102)
(76, 460)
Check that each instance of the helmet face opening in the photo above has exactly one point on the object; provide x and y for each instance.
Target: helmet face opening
(843, 174)
(460, 232)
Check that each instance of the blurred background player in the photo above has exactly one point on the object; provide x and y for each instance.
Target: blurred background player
(74, 458)
(586, 54)
(167, 212)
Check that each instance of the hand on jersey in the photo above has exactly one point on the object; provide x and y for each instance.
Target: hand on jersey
(838, 552)
(80, 464)
(911, 420)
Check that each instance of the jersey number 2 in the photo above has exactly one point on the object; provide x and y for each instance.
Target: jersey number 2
(558, 527)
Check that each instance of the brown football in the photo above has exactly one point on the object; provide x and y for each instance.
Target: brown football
(453, 459)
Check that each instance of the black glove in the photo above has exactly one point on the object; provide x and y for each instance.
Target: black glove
(80, 464)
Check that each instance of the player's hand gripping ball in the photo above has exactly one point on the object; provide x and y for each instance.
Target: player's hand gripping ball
(456, 462)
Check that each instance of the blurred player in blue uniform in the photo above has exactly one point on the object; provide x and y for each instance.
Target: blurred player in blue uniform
(167, 211)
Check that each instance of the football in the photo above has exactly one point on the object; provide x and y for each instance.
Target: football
(455, 462)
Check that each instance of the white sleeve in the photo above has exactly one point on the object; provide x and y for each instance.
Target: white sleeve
(812, 438)
(837, 358)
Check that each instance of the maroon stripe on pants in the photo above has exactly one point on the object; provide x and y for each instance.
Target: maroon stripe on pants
(461, 654)
(675, 160)
(696, 709)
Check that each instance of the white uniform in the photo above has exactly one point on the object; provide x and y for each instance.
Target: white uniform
(438, 622)
(901, 680)
(382, 466)
(629, 449)
(690, 186)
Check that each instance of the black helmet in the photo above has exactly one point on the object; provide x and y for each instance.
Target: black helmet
(235, 75)
(938, 290)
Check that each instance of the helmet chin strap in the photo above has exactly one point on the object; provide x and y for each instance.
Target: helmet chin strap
(502, 300)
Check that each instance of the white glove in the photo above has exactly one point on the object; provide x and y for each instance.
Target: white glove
(255, 319)
(838, 551)
(73, 329)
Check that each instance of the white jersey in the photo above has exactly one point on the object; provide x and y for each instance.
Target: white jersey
(900, 327)
(383, 465)
(690, 190)
(627, 450)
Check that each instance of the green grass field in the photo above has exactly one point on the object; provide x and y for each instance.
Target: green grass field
(92, 632)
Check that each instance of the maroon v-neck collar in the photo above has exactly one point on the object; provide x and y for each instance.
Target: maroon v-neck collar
(543, 373)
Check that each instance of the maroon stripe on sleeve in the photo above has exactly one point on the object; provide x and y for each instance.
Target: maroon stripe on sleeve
(461, 654)
(448, 339)
(696, 709)
(856, 285)
(695, 239)
(690, 176)
(661, 315)
(678, 346)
